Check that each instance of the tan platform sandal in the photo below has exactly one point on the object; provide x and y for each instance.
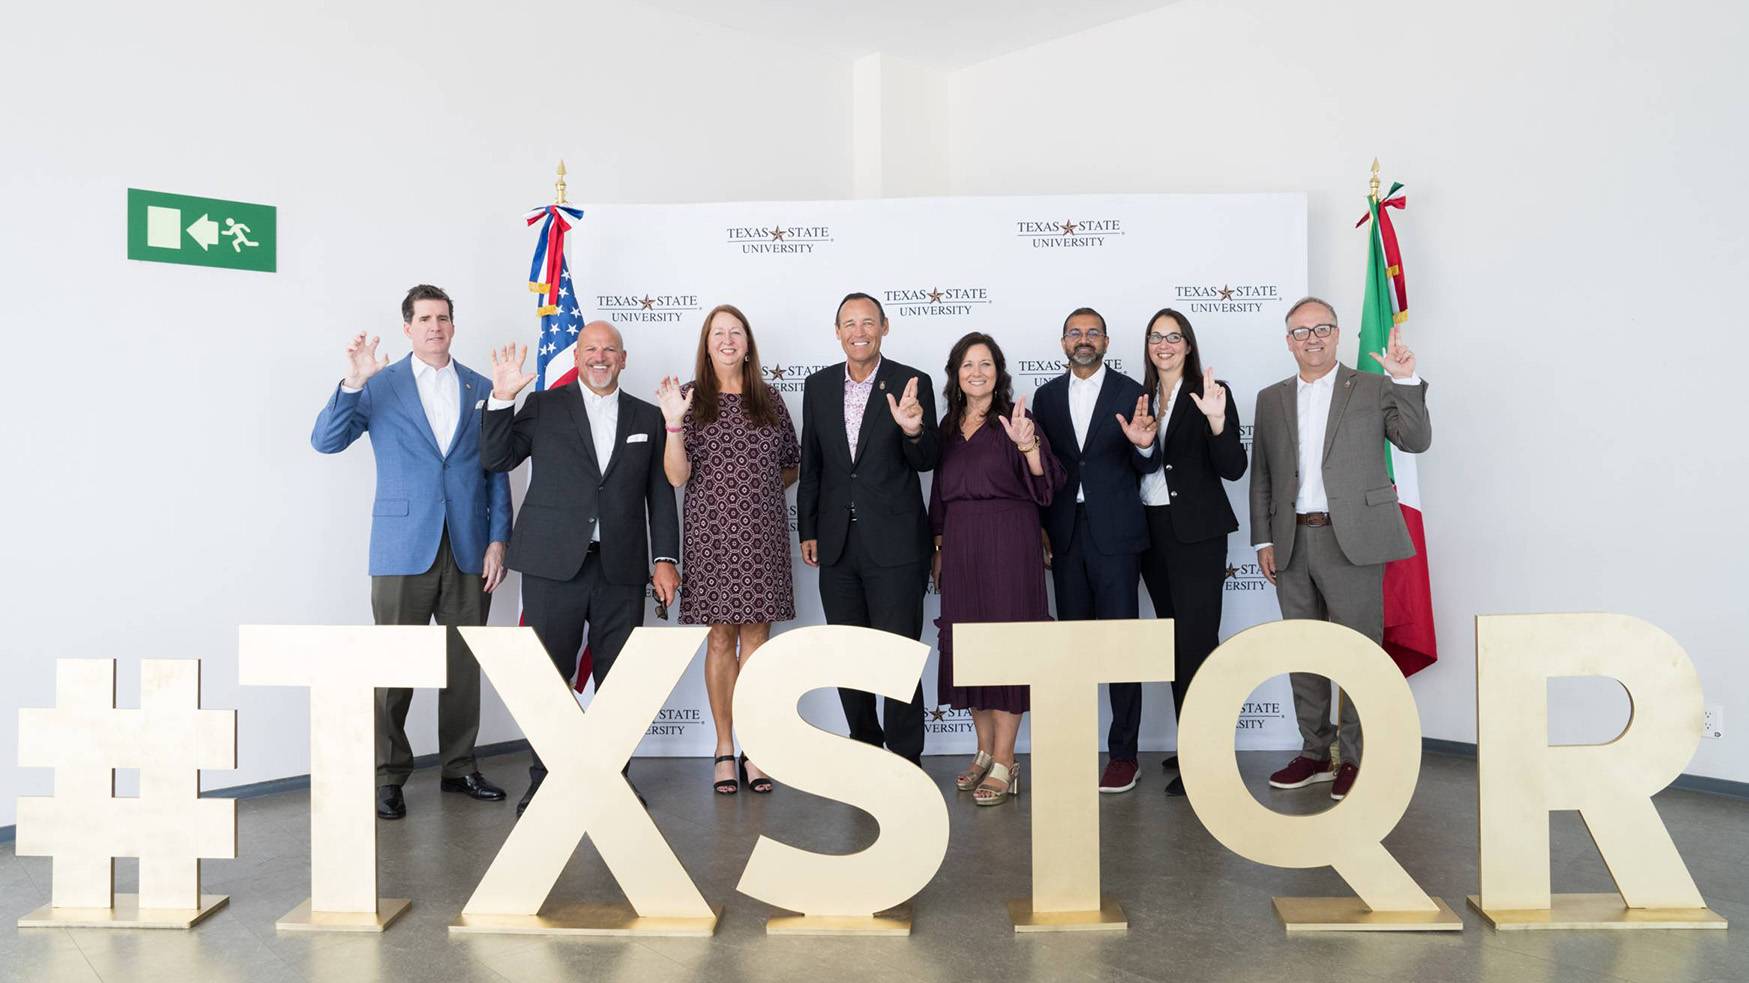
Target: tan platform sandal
(987, 794)
(969, 779)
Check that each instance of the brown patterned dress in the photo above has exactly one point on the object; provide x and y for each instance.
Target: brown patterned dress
(735, 549)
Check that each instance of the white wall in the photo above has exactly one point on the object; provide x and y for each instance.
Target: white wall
(1575, 236)
(162, 488)
(1575, 249)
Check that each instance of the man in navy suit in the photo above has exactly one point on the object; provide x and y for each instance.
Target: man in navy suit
(438, 527)
(1097, 535)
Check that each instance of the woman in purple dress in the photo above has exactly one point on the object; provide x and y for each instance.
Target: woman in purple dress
(995, 472)
(732, 446)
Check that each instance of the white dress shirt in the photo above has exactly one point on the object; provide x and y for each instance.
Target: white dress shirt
(440, 393)
(1083, 393)
(603, 424)
(1154, 490)
(1314, 410)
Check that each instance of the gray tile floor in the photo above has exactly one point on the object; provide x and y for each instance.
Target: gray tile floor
(1196, 911)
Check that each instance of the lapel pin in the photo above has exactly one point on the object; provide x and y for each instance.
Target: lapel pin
(883, 387)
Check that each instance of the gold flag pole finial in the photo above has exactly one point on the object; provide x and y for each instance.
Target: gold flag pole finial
(1373, 187)
(560, 183)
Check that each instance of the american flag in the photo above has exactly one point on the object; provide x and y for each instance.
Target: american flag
(555, 365)
(561, 316)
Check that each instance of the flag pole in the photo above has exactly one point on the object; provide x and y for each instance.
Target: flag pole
(1372, 192)
(559, 185)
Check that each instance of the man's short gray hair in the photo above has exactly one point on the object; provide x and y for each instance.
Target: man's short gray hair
(1304, 301)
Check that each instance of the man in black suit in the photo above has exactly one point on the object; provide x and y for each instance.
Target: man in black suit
(1097, 535)
(580, 539)
(868, 429)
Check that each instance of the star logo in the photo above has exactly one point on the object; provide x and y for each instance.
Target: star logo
(938, 714)
(1232, 571)
(648, 302)
(777, 372)
(935, 295)
(1069, 228)
(777, 233)
(1226, 292)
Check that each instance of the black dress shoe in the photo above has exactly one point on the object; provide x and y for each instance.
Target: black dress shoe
(474, 786)
(1169, 763)
(390, 805)
(528, 796)
(1175, 787)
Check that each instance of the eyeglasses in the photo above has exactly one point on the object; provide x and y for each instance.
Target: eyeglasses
(1321, 330)
(1091, 334)
(1173, 337)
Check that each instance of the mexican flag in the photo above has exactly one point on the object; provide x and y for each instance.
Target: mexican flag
(1409, 634)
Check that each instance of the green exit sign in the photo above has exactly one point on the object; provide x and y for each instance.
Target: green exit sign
(234, 235)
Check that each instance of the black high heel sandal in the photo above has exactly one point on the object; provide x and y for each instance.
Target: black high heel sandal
(762, 784)
(726, 786)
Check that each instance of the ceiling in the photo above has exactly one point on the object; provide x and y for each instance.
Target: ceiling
(942, 34)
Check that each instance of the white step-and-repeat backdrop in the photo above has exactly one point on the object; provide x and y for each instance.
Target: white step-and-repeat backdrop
(1012, 267)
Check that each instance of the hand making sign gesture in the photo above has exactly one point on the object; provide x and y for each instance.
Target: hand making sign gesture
(361, 361)
(1212, 402)
(1020, 427)
(1397, 360)
(508, 379)
(1141, 427)
(907, 412)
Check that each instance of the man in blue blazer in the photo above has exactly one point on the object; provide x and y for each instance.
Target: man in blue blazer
(438, 527)
(1097, 535)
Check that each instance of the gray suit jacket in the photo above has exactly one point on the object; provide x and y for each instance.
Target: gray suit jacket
(1366, 409)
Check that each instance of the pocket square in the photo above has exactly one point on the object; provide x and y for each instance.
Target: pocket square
(480, 404)
(638, 438)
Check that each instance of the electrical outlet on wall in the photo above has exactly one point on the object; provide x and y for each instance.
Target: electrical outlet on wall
(1713, 722)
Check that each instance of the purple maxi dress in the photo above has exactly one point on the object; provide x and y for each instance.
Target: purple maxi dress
(985, 507)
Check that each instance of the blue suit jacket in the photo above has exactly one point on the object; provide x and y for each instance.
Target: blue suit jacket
(419, 490)
(1109, 468)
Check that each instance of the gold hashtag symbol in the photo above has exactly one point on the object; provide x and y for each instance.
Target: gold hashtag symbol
(84, 826)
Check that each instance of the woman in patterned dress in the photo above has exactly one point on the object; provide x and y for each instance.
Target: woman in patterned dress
(732, 446)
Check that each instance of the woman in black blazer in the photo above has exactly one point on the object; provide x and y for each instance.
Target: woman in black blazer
(1188, 514)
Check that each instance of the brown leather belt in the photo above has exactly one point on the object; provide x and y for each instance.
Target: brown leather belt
(1311, 518)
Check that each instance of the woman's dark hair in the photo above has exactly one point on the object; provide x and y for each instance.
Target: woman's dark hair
(755, 398)
(1192, 357)
(1001, 396)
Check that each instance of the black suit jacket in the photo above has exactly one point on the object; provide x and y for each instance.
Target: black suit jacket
(568, 491)
(878, 476)
(1108, 468)
(1195, 462)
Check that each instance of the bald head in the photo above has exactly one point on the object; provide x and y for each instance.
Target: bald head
(601, 356)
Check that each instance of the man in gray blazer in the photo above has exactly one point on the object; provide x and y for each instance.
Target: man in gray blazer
(1324, 513)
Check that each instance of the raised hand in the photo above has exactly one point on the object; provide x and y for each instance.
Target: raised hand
(674, 405)
(907, 412)
(1398, 360)
(1212, 402)
(1141, 427)
(361, 361)
(508, 379)
(1020, 427)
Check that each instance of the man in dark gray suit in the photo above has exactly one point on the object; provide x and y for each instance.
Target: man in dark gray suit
(580, 538)
(1324, 513)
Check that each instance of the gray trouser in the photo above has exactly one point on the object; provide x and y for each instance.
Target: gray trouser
(454, 598)
(1320, 584)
